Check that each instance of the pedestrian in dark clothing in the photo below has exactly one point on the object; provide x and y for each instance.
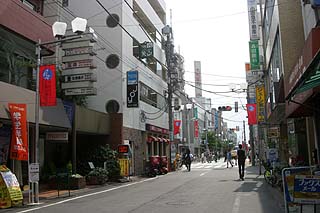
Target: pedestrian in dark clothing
(241, 161)
(188, 159)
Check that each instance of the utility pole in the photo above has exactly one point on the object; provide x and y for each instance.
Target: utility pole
(167, 30)
(244, 132)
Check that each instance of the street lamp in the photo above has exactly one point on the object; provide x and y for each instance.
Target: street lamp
(58, 30)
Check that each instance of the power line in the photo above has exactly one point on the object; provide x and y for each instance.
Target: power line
(223, 76)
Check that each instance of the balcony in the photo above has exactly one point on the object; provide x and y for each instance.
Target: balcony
(19, 18)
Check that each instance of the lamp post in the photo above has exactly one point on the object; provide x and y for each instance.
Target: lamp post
(59, 29)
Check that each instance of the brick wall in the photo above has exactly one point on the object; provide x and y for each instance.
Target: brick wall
(138, 139)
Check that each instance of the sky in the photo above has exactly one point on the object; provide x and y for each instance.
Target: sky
(216, 33)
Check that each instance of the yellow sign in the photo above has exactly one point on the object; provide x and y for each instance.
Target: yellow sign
(260, 96)
(124, 167)
(10, 192)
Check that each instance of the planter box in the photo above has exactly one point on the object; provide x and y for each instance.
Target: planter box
(96, 180)
(77, 183)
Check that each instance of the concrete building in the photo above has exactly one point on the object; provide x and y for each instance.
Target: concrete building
(144, 125)
(289, 32)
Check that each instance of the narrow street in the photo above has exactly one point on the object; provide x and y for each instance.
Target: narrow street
(207, 188)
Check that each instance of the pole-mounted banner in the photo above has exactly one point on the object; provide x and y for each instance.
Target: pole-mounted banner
(47, 87)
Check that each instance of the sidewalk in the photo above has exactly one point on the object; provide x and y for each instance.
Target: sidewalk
(52, 194)
(252, 172)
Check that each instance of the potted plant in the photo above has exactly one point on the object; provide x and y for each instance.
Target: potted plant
(97, 176)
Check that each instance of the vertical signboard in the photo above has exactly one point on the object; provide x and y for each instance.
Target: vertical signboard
(254, 55)
(197, 78)
(196, 129)
(260, 96)
(253, 19)
(19, 140)
(252, 114)
(47, 87)
(132, 89)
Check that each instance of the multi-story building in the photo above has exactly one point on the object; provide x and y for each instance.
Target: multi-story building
(289, 32)
(302, 88)
(22, 25)
(123, 28)
(281, 34)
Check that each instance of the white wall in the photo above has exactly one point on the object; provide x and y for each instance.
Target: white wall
(112, 82)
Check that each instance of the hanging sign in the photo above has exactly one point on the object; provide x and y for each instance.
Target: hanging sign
(196, 129)
(260, 98)
(47, 87)
(132, 89)
(253, 19)
(19, 140)
(252, 114)
(177, 124)
(254, 55)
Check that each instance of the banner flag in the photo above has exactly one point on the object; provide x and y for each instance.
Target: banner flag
(19, 140)
(177, 124)
(252, 113)
(196, 129)
(47, 87)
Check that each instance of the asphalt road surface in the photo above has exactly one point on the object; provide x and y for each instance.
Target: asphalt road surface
(207, 188)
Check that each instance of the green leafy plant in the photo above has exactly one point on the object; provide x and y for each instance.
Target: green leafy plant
(98, 155)
(99, 175)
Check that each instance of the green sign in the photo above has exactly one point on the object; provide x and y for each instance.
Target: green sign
(254, 55)
(195, 113)
(146, 50)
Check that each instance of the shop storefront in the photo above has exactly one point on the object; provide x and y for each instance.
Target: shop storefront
(302, 95)
(158, 142)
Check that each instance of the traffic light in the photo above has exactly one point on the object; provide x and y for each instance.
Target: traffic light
(236, 106)
(224, 108)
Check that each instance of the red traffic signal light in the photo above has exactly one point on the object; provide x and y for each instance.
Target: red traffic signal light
(224, 108)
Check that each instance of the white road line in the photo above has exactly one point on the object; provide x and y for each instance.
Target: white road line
(86, 195)
(203, 174)
(236, 204)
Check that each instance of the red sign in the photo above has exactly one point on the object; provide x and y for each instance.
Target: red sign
(252, 113)
(47, 87)
(19, 140)
(123, 148)
(196, 129)
(157, 129)
(177, 124)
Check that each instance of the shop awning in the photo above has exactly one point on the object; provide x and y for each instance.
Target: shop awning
(151, 139)
(51, 116)
(166, 140)
(310, 78)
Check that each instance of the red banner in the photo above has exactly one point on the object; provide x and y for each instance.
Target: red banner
(19, 139)
(47, 85)
(196, 129)
(252, 113)
(177, 124)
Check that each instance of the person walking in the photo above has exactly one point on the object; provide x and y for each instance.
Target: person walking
(229, 159)
(241, 161)
(188, 159)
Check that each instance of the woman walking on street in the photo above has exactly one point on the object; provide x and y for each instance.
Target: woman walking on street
(229, 159)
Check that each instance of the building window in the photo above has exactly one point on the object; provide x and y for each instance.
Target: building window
(112, 61)
(113, 20)
(150, 96)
